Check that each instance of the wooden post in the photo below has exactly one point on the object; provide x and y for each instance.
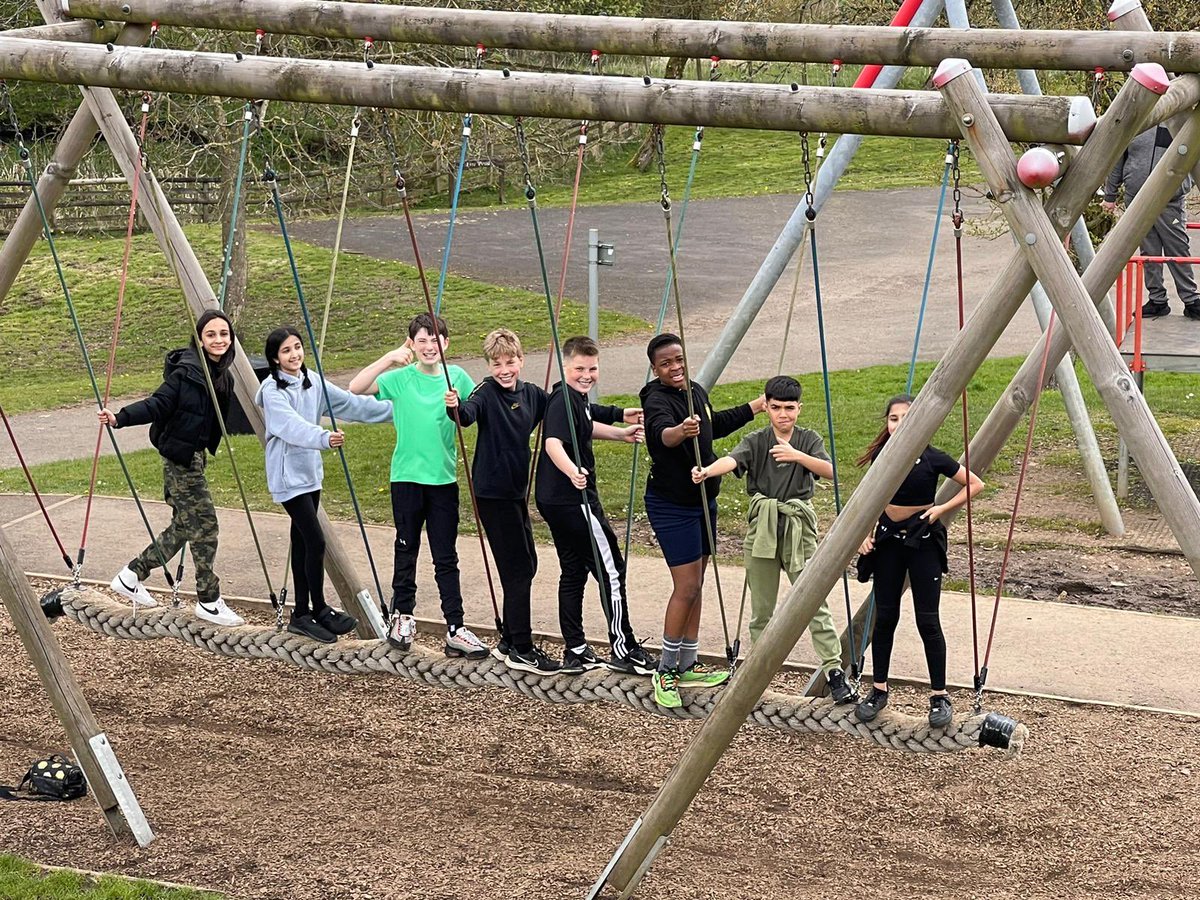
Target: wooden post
(1066, 120)
(56, 676)
(1121, 243)
(1043, 249)
(78, 30)
(199, 294)
(937, 398)
(771, 41)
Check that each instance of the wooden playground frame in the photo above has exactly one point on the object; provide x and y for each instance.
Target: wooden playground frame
(63, 52)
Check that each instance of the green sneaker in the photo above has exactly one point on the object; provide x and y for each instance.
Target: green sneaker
(702, 676)
(666, 689)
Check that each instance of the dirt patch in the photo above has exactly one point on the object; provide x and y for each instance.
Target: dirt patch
(265, 781)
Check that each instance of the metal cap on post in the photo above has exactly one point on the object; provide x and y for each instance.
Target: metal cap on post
(1151, 76)
(1122, 7)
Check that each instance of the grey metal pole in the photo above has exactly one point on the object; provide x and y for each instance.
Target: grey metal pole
(1068, 383)
(593, 292)
(795, 232)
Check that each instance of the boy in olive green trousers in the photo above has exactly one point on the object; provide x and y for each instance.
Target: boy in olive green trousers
(780, 464)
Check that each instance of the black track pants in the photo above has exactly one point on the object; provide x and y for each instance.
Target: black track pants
(923, 566)
(434, 507)
(308, 553)
(510, 537)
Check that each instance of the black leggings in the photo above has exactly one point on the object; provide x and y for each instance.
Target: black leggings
(308, 553)
(923, 566)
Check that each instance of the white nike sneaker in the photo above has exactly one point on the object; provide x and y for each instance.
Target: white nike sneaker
(130, 586)
(218, 613)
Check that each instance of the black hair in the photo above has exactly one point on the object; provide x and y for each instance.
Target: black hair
(783, 388)
(432, 324)
(666, 339)
(222, 379)
(876, 445)
(580, 346)
(275, 340)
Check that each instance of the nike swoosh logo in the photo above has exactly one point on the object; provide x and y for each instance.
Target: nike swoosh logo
(124, 585)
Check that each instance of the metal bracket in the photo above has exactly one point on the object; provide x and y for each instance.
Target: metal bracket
(115, 776)
(374, 616)
(603, 879)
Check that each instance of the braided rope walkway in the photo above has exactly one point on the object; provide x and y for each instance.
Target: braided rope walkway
(783, 712)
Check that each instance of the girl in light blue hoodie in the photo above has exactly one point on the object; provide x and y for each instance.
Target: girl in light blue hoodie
(293, 402)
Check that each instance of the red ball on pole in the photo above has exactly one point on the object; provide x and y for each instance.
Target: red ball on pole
(1037, 167)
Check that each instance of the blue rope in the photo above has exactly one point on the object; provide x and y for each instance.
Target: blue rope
(226, 271)
(269, 175)
(462, 163)
(937, 225)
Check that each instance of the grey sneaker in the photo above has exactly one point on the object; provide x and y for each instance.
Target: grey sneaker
(461, 642)
(941, 711)
(401, 631)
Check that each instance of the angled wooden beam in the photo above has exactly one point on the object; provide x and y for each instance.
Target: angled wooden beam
(937, 398)
(990, 47)
(78, 30)
(1043, 249)
(1065, 120)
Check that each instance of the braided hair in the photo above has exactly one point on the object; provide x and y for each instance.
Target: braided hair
(274, 341)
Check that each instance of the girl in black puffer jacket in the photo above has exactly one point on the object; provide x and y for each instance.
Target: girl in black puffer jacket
(183, 427)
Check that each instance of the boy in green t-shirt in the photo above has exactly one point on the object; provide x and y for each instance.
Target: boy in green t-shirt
(780, 464)
(424, 476)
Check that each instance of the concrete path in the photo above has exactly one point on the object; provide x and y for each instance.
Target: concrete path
(1065, 650)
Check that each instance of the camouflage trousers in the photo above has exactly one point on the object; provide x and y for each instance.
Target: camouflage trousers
(193, 521)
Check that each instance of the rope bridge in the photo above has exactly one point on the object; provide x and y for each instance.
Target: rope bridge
(783, 712)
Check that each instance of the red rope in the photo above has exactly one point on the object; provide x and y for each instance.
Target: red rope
(1012, 522)
(112, 350)
(33, 487)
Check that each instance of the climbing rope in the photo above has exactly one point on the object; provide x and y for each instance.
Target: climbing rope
(714, 74)
(66, 557)
(710, 531)
(480, 56)
(981, 672)
(956, 219)
(27, 164)
(531, 200)
(402, 190)
(951, 157)
(787, 713)
(248, 121)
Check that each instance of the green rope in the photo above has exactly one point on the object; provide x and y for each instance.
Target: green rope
(341, 221)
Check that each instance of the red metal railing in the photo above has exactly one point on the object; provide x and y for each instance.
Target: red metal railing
(1131, 288)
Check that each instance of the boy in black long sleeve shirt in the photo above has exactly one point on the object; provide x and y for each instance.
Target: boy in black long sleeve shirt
(568, 501)
(676, 505)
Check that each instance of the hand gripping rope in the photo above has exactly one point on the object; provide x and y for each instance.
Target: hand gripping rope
(480, 56)
(27, 165)
(248, 122)
(714, 73)
(402, 190)
(594, 68)
(665, 203)
(531, 198)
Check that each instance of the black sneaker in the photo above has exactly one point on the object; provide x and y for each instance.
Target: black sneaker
(307, 626)
(941, 711)
(868, 709)
(636, 662)
(1192, 310)
(533, 660)
(574, 663)
(1153, 310)
(839, 690)
(500, 651)
(335, 621)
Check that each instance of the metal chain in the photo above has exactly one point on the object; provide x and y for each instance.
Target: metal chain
(806, 161)
(368, 51)
(660, 151)
(956, 176)
(1097, 84)
(523, 153)
(834, 70)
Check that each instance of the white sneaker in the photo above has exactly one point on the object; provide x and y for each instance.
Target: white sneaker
(218, 613)
(402, 631)
(464, 643)
(130, 586)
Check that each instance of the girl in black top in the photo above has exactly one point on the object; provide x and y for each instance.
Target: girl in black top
(184, 425)
(911, 541)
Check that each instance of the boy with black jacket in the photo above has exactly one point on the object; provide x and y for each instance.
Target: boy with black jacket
(507, 410)
(569, 502)
(675, 506)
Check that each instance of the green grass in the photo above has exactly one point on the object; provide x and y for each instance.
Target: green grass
(40, 361)
(20, 880)
(858, 399)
